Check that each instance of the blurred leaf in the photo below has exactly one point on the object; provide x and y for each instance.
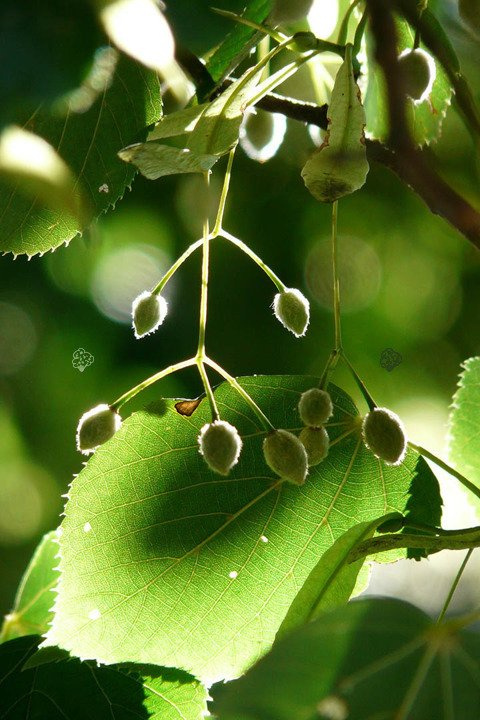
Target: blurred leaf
(185, 568)
(425, 119)
(139, 28)
(31, 614)
(332, 580)
(339, 166)
(88, 142)
(372, 659)
(177, 123)
(43, 54)
(31, 165)
(464, 434)
(74, 690)
(155, 160)
(236, 45)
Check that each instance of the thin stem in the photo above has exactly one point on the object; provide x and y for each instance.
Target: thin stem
(275, 34)
(217, 229)
(357, 40)
(263, 48)
(268, 271)
(149, 381)
(342, 33)
(329, 368)
(448, 468)
(336, 280)
(202, 323)
(363, 389)
(208, 389)
(160, 285)
(454, 585)
(243, 393)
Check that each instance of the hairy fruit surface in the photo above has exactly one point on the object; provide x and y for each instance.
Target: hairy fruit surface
(286, 456)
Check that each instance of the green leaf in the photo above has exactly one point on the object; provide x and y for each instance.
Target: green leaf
(372, 659)
(464, 423)
(31, 612)
(177, 123)
(425, 119)
(237, 44)
(340, 166)
(88, 142)
(332, 580)
(155, 160)
(165, 562)
(74, 690)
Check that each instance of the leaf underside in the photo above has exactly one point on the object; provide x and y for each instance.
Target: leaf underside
(165, 562)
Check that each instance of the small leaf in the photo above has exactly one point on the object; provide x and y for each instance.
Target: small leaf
(139, 28)
(332, 580)
(74, 690)
(30, 164)
(155, 160)
(373, 658)
(464, 436)
(177, 123)
(340, 166)
(88, 143)
(169, 567)
(31, 612)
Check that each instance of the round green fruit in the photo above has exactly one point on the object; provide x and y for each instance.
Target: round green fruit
(286, 456)
(384, 434)
(315, 407)
(316, 442)
(220, 444)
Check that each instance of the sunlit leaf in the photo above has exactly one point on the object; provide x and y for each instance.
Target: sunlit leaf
(60, 690)
(464, 426)
(139, 28)
(88, 142)
(425, 118)
(165, 562)
(177, 123)
(31, 165)
(332, 580)
(370, 659)
(339, 166)
(31, 614)
(155, 160)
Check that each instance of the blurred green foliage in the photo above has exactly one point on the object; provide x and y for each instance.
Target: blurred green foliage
(409, 282)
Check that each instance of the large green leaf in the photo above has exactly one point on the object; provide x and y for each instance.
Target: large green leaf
(88, 142)
(165, 562)
(464, 426)
(31, 612)
(370, 659)
(425, 119)
(74, 690)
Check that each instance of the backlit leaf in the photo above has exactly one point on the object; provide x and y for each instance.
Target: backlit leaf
(165, 562)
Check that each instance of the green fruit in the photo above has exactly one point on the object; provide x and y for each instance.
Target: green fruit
(286, 456)
(384, 434)
(316, 442)
(148, 312)
(96, 427)
(220, 444)
(315, 407)
(292, 309)
(416, 71)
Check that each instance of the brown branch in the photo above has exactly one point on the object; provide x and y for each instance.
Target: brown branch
(413, 167)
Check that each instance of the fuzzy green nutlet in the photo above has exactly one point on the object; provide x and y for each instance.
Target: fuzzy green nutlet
(220, 444)
(315, 407)
(292, 309)
(96, 427)
(286, 456)
(316, 442)
(384, 434)
(418, 70)
(148, 312)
